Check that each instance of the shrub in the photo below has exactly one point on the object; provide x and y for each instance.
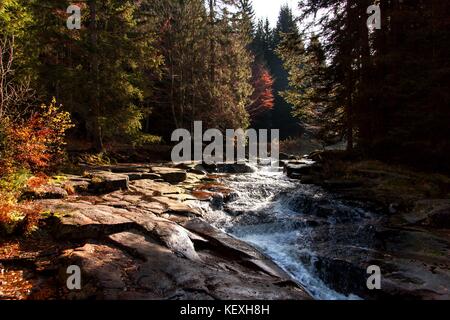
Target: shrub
(18, 218)
(28, 146)
(37, 142)
(13, 184)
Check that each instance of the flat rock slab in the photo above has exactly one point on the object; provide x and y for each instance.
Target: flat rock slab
(174, 206)
(105, 181)
(133, 176)
(134, 266)
(235, 168)
(45, 192)
(171, 175)
(124, 168)
(152, 188)
(133, 254)
(141, 240)
(297, 169)
(433, 212)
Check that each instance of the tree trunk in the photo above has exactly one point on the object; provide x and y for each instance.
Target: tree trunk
(350, 83)
(97, 134)
(212, 43)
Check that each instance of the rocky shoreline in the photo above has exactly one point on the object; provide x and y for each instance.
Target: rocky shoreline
(409, 238)
(135, 233)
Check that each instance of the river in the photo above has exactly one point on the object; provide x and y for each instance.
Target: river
(292, 223)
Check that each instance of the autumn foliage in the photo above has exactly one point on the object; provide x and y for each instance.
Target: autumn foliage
(18, 218)
(28, 147)
(35, 143)
(262, 98)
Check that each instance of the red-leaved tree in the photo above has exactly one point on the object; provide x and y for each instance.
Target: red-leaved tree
(262, 98)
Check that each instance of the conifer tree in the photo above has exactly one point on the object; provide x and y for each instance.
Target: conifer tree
(98, 72)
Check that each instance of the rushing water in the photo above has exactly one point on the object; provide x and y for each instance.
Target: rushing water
(279, 216)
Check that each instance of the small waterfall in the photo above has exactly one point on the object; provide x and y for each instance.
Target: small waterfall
(288, 221)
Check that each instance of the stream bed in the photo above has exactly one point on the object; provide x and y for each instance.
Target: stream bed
(295, 225)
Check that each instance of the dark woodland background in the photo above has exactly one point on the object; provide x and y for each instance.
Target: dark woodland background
(137, 70)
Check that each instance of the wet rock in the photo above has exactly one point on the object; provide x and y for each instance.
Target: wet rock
(284, 156)
(310, 180)
(236, 168)
(217, 201)
(325, 211)
(184, 197)
(298, 169)
(233, 247)
(432, 212)
(192, 167)
(439, 219)
(341, 184)
(414, 263)
(280, 163)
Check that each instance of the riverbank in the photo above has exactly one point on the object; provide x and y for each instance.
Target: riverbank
(134, 234)
(408, 238)
(138, 232)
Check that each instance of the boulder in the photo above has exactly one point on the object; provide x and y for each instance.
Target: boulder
(341, 184)
(192, 167)
(79, 186)
(176, 207)
(439, 218)
(284, 156)
(235, 168)
(133, 176)
(297, 169)
(432, 212)
(45, 192)
(171, 175)
(105, 182)
(132, 254)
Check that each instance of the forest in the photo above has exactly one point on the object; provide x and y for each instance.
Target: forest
(75, 100)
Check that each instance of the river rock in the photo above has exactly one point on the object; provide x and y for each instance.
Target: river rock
(298, 169)
(193, 167)
(176, 207)
(153, 188)
(432, 212)
(140, 239)
(284, 156)
(133, 176)
(133, 253)
(171, 175)
(235, 168)
(341, 184)
(79, 185)
(414, 263)
(126, 168)
(105, 181)
(45, 192)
